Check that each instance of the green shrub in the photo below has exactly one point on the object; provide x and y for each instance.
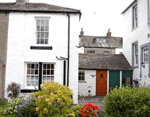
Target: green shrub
(53, 100)
(127, 102)
(12, 105)
(3, 101)
(27, 108)
(76, 110)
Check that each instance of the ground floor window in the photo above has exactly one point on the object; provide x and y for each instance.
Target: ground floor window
(145, 54)
(81, 76)
(36, 71)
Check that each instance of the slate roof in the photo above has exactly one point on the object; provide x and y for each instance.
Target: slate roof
(115, 42)
(103, 61)
(36, 7)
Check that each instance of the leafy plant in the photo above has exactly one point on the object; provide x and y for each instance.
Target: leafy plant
(3, 101)
(27, 108)
(89, 110)
(127, 102)
(53, 100)
(76, 110)
(13, 90)
(12, 105)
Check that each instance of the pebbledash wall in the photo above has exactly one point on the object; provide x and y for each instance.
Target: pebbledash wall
(21, 35)
(140, 35)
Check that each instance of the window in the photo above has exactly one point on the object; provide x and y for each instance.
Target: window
(91, 51)
(81, 75)
(42, 30)
(32, 73)
(135, 53)
(135, 17)
(106, 52)
(100, 40)
(48, 72)
(145, 54)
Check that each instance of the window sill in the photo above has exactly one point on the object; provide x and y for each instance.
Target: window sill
(28, 90)
(82, 81)
(135, 67)
(41, 47)
(134, 28)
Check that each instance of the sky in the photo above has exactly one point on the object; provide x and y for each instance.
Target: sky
(97, 15)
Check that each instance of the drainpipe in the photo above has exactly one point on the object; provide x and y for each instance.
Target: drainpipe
(64, 73)
(68, 49)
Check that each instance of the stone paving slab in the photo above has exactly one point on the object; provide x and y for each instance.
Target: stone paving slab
(95, 100)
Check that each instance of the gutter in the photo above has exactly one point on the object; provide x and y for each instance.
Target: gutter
(68, 49)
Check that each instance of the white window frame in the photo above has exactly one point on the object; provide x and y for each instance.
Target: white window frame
(135, 53)
(81, 76)
(145, 54)
(26, 85)
(48, 75)
(36, 30)
(135, 16)
(33, 87)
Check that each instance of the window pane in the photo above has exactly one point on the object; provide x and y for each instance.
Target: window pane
(46, 28)
(44, 72)
(42, 41)
(52, 78)
(38, 22)
(46, 41)
(52, 66)
(36, 71)
(42, 35)
(32, 66)
(47, 22)
(48, 78)
(46, 35)
(52, 72)
(48, 72)
(38, 35)
(42, 22)
(44, 66)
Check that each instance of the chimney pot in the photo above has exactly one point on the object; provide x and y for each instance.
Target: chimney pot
(109, 33)
(81, 33)
(21, 2)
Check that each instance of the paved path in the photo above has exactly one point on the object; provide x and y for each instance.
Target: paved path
(95, 100)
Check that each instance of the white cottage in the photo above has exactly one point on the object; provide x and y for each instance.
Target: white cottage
(136, 40)
(38, 43)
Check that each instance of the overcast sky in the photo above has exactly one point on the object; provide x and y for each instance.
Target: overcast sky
(97, 15)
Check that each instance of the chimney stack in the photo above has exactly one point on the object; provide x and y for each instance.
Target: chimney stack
(109, 33)
(21, 2)
(81, 33)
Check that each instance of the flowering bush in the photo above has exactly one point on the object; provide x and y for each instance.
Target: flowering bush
(13, 90)
(89, 110)
(53, 100)
(12, 105)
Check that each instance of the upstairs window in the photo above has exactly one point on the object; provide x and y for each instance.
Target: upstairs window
(42, 30)
(135, 54)
(81, 75)
(135, 17)
(145, 54)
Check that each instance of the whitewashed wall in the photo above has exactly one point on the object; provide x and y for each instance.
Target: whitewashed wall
(89, 84)
(21, 35)
(118, 50)
(139, 34)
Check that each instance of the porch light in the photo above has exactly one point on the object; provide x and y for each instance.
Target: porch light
(143, 65)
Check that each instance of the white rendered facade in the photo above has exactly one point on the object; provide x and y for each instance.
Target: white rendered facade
(22, 35)
(137, 34)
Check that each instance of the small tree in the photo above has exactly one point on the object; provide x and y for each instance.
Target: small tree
(13, 90)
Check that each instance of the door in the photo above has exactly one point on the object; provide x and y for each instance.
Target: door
(101, 82)
(114, 79)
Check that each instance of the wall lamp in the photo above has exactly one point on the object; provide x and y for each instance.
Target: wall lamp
(143, 65)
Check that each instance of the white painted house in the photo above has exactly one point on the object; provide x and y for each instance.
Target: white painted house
(136, 44)
(41, 45)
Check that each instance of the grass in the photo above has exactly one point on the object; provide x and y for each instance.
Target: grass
(2, 107)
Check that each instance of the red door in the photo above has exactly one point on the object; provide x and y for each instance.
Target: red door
(101, 82)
